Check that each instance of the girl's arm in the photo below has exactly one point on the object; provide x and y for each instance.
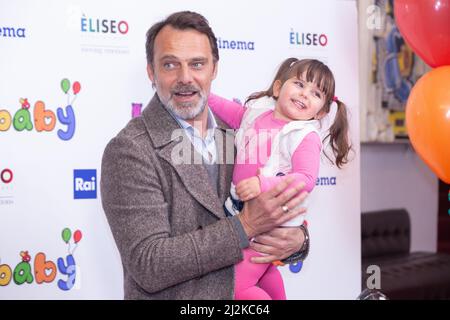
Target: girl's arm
(305, 165)
(228, 111)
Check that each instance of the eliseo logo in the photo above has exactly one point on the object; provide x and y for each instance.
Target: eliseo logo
(103, 25)
(6, 176)
(308, 39)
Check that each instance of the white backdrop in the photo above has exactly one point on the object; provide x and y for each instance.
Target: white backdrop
(44, 42)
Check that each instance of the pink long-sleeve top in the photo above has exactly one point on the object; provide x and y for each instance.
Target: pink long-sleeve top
(305, 160)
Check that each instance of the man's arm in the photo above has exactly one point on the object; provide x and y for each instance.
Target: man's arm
(138, 215)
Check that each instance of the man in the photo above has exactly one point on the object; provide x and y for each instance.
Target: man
(165, 208)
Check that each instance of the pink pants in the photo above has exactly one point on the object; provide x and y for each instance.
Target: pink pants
(256, 281)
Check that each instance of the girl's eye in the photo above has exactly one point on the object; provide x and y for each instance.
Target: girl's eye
(300, 84)
(318, 95)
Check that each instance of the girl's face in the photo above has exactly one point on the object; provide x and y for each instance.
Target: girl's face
(298, 99)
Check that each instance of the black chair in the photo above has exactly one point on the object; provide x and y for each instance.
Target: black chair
(386, 240)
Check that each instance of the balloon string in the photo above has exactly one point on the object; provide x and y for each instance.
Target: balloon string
(76, 246)
(74, 99)
(68, 250)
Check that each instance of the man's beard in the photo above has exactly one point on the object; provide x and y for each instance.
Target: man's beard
(186, 110)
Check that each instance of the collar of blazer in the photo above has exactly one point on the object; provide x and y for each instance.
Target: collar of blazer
(161, 127)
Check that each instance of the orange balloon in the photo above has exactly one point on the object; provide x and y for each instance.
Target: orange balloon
(428, 120)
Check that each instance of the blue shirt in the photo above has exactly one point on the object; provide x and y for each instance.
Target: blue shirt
(207, 146)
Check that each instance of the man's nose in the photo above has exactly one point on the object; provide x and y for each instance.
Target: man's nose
(185, 75)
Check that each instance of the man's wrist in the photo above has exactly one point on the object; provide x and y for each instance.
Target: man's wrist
(305, 245)
(247, 227)
(243, 240)
(304, 250)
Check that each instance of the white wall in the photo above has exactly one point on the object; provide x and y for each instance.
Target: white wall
(45, 197)
(393, 176)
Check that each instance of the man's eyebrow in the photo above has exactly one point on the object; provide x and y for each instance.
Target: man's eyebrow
(169, 56)
(199, 59)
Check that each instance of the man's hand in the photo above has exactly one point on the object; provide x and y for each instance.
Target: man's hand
(248, 189)
(277, 244)
(265, 212)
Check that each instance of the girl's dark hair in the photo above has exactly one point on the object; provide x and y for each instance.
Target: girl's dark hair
(181, 20)
(317, 72)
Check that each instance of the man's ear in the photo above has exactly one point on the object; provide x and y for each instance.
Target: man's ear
(276, 88)
(216, 67)
(150, 73)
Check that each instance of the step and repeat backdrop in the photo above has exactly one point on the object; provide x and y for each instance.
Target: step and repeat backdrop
(73, 73)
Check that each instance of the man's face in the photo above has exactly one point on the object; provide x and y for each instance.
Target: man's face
(182, 71)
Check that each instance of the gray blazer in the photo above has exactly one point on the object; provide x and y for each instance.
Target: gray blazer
(167, 218)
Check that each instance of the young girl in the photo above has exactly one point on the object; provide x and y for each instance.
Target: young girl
(278, 136)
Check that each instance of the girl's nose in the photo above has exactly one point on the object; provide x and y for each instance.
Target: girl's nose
(304, 93)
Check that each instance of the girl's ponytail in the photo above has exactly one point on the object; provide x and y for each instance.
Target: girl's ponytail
(338, 135)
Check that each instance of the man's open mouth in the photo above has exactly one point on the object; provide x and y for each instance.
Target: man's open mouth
(185, 94)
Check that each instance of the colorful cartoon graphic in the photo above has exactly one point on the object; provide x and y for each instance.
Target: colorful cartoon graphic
(25, 104)
(44, 271)
(44, 119)
(68, 268)
(136, 109)
(296, 267)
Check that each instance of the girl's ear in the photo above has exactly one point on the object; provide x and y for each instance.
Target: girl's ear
(276, 88)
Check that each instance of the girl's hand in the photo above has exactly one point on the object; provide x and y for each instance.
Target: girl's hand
(248, 188)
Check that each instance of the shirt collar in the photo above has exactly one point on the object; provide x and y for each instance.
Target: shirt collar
(211, 124)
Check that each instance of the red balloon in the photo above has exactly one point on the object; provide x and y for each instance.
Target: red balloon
(428, 120)
(77, 236)
(76, 87)
(425, 25)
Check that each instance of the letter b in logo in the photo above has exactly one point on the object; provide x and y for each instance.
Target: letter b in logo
(85, 184)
